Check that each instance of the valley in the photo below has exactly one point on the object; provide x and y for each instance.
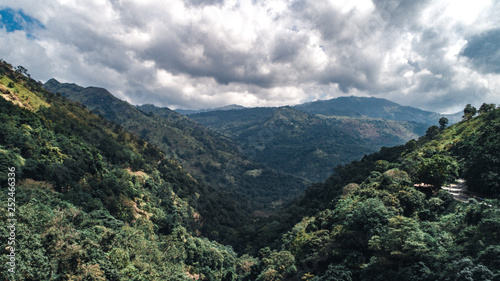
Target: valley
(109, 191)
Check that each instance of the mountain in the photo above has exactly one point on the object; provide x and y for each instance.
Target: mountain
(191, 111)
(374, 108)
(208, 156)
(386, 216)
(91, 201)
(306, 145)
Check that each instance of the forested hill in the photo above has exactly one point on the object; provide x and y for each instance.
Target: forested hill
(303, 144)
(208, 156)
(374, 108)
(375, 220)
(93, 202)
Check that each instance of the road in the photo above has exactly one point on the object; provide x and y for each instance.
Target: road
(458, 190)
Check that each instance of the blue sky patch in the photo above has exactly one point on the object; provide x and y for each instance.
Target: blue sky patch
(13, 20)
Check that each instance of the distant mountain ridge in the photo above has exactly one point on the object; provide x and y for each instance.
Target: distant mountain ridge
(304, 144)
(306, 140)
(353, 106)
(374, 107)
(194, 111)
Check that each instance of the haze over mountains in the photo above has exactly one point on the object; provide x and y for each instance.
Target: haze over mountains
(357, 107)
(192, 111)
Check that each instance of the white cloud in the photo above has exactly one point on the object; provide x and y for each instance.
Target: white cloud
(198, 54)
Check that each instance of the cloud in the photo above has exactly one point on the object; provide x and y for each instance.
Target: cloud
(483, 50)
(13, 20)
(198, 54)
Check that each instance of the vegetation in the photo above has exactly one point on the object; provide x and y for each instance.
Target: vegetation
(97, 203)
(307, 145)
(369, 221)
(208, 156)
(375, 108)
(94, 202)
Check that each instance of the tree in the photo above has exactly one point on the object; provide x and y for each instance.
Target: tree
(22, 70)
(437, 170)
(485, 108)
(482, 160)
(432, 131)
(443, 121)
(469, 112)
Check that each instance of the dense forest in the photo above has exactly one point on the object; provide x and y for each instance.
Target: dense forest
(208, 156)
(304, 144)
(95, 202)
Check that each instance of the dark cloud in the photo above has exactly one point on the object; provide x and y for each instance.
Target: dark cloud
(400, 13)
(322, 17)
(483, 50)
(205, 2)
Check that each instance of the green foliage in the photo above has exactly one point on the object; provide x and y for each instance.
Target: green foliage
(437, 170)
(485, 108)
(207, 156)
(276, 266)
(482, 159)
(469, 112)
(443, 121)
(368, 221)
(307, 145)
(96, 203)
(432, 131)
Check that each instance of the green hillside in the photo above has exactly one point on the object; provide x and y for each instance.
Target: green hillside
(208, 156)
(306, 145)
(94, 202)
(369, 220)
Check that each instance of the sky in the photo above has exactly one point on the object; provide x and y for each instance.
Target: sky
(435, 55)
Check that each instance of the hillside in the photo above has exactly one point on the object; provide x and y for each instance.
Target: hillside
(374, 108)
(371, 221)
(208, 156)
(93, 202)
(307, 145)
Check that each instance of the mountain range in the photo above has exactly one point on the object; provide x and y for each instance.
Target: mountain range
(234, 142)
(375, 108)
(192, 111)
(357, 107)
(93, 201)
(208, 156)
(303, 144)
